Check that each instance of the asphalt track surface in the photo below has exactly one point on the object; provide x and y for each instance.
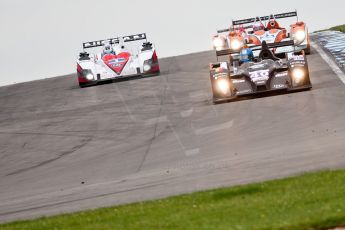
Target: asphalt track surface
(64, 149)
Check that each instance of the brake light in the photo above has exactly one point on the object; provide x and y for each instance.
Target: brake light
(79, 69)
(154, 57)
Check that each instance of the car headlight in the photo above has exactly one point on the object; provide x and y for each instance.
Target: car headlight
(218, 43)
(299, 36)
(89, 76)
(236, 44)
(298, 75)
(147, 67)
(223, 86)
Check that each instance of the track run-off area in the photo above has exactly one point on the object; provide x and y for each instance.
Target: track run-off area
(64, 149)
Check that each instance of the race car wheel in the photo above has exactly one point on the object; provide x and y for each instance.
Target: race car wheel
(307, 51)
(157, 73)
(83, 85)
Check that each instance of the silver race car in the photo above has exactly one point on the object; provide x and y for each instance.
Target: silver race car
(120, 57)
(261, 74)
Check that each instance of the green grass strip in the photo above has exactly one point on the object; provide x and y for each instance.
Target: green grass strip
(339, 28)
(335, 28)
(310, 201)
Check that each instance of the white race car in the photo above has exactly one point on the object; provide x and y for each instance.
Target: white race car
(121, 57)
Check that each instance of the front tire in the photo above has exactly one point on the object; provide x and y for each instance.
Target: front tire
(84, 85)
(307, 51)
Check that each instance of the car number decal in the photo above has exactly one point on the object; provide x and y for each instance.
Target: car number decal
(261, 75)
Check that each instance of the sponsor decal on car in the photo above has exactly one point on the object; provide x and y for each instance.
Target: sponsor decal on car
(244, 91)
(283, 74)
(260, 75)
(117, 62)
(285, 49)
(298, 57)
(297, 63)
(268, 37)
(279, 86)
(238, 81)
(218, 75)
(259, 66)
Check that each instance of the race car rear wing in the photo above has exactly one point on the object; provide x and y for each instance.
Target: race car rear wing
(264, 18)
(252, 20)
(130, 38)
(231, 28)
(270, 45)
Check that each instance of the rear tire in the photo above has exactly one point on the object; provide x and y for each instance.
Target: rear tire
(154, 74)
(308, 49)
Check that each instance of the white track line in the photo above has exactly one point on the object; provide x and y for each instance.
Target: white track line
(330, 62)
(156, 120)
(192, 152)
(187, 113)
(214, 128)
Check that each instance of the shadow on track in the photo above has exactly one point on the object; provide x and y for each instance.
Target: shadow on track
(111, 81)
(259, 95)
